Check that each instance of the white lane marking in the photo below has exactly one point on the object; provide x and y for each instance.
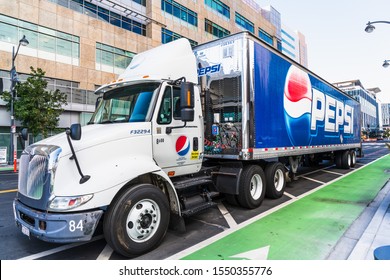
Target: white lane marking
(311, 179)
(226, 214)
(290, 195)
(106, 253)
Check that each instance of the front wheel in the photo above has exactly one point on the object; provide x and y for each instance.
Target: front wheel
(137, 220)
(251, 187)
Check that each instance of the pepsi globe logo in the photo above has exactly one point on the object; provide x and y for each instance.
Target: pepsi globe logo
(297, 106)
(182, 145)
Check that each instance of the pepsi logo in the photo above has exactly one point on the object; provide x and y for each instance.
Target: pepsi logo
(297, 106)
(182, 145)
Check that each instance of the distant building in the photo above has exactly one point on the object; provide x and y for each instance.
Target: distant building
(294, 45)
(368, 102)
(386, 115)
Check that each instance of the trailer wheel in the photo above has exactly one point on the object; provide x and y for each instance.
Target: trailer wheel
(353, 158)
(346, 159)
(137, 220)
(275, 180)
(251, 187)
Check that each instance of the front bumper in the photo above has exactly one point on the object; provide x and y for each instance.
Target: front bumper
(56, 227)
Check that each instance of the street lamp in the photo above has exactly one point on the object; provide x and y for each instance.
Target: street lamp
(386, 63)
(14, 80)
(370, 27)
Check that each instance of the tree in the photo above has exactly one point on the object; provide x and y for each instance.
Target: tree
(35, 107)
(386, 134)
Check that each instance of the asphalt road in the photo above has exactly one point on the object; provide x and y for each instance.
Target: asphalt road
(200, 227)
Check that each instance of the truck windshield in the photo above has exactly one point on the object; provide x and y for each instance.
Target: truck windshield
(125, 104)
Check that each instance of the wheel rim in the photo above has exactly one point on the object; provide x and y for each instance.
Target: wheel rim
(256, 186)
(279, 180)
(143, 220)
(349, 159)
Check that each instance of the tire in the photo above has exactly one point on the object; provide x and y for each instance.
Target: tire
(275, 180)
(337, 160)
(345, 159)
(353, 158)
(251, 187)
(137, 220)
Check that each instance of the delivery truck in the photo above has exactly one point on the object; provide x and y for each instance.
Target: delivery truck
(230, 119)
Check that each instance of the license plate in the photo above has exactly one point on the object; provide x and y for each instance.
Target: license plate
(25, 231)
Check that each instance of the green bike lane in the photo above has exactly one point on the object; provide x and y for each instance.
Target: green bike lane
(308, 228)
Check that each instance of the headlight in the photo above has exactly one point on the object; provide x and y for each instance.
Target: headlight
(62, 203)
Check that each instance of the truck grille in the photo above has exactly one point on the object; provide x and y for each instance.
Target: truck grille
(34, 170)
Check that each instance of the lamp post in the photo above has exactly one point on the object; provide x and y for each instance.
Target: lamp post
(370, 27)
(14, 80)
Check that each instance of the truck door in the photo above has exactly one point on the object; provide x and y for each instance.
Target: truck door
(177, 149)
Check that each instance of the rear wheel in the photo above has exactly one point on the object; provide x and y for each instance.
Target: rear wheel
(137, 221)
(252, 187)
(275, 180)
(344, 159)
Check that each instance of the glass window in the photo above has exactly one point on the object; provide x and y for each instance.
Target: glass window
(64, 47)
(8, 33)
(266, 37)
(243, 22)
(126, 104)
(169, 36)
(180, 11)
(219, 7)
(113, 57)
(215, 29)
(165, 112)
(47, 43)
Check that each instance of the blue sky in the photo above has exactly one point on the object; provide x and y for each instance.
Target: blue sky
(338, 47)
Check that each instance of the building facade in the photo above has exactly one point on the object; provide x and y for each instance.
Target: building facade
(368, 102)
(385, 115)
(82, 44)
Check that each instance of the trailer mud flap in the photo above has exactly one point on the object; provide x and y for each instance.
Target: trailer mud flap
(228, 178)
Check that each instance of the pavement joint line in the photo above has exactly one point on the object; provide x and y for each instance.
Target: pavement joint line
(106, 253)
(311, 179)
(226, 214)
(60, 249)
(227, 232)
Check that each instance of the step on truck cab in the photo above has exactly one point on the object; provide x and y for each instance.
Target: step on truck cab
(233, 119)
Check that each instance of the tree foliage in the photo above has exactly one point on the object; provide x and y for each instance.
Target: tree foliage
(35, 107)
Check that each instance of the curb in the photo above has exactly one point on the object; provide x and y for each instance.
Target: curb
(373, 234)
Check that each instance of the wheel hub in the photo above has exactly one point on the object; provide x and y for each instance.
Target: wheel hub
(143, 220)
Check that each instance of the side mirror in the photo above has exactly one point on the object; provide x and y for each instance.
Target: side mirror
(24, 134)
(74, 131)
(187, 101)
(98, 101)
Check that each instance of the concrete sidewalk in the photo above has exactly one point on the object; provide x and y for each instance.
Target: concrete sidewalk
(370, 231)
